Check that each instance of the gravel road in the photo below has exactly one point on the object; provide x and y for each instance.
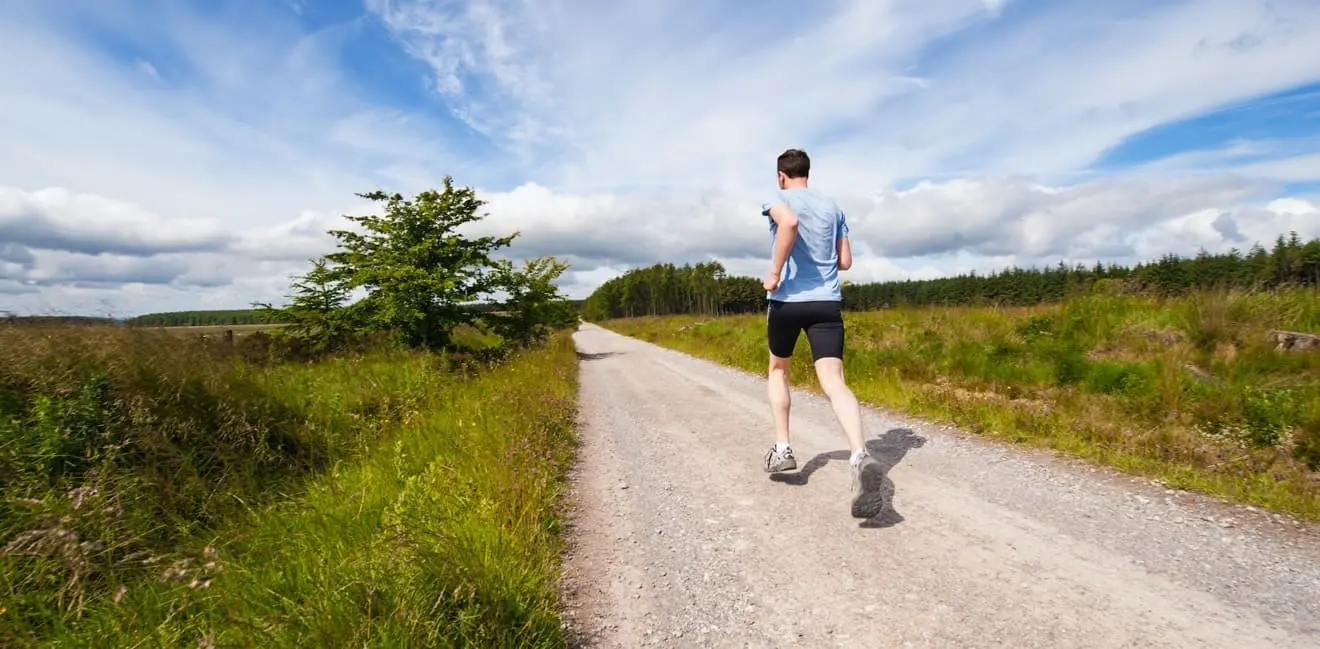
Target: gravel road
(679, 539)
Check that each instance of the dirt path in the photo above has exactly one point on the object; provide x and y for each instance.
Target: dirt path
(679, 539)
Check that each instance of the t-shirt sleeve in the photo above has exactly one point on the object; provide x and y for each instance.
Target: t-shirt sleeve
(771, 201)
(842, 227)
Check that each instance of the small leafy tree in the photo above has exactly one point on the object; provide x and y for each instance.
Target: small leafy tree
(420, 280)
(418, 273)
(534, 308)
(315, 315)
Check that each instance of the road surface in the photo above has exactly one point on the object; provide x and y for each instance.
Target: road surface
(678, 538)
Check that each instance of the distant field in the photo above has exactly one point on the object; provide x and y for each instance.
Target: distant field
(220, 329)
(1189, 391)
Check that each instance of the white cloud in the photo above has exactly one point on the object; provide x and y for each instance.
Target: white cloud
(102, 157)
(303, 238)
(57, 219)
(60, 246)
(992, 222)
(623, 229)
(1044, 93)
(263, 127)
(1296, 168)
(1057, 90)
(11, 287)
(929, 230)
(1014, 216)
(203, 167)
(1032, 100)
(104, 271)
(922, 232)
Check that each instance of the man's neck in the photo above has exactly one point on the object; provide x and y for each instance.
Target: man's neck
(795, 183)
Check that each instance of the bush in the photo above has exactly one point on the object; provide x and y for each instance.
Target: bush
(1251, 417)
(443, 532)
(1071, 367)
(118, 445)
(1270, 414)
(1036, 327)
(1307, 442)
(1120, 378)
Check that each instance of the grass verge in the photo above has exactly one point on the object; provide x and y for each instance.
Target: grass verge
(379, 500)
(1186, 391)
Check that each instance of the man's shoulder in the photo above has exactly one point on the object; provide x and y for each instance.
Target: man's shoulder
(803, 200)
(822, 205)
(826, 199)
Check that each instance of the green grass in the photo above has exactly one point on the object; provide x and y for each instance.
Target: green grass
(1187, 391)
(160, 493)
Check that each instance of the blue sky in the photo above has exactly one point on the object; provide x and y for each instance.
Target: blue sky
(190, 154)
(1277, 124)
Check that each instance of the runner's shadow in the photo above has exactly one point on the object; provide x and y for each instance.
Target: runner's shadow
(889, 449)
(584, 356)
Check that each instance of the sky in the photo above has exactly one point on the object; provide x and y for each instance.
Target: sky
(192, 154)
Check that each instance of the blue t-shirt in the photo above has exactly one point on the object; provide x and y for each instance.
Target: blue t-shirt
(812, 270)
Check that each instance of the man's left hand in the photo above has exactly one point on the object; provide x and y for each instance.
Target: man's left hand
(771, 281)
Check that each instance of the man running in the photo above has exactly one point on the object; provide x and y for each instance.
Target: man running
(810, 247)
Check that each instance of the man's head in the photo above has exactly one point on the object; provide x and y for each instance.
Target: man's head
(794, 168)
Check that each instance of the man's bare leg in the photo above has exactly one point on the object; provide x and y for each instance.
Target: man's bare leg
(868, 500)
(849, 413)
(780, 398)
(780, 457)
(846, 409)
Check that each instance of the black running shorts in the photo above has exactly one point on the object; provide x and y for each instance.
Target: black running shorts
(823, 322)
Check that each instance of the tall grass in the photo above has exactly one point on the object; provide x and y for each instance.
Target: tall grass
(158, 492)
(1187, 390)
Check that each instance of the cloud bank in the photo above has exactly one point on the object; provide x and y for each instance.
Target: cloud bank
(195, 160)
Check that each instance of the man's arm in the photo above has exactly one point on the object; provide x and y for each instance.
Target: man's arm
(785, 235)
(844, 247)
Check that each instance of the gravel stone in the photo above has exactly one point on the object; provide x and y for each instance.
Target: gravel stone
(978, 545)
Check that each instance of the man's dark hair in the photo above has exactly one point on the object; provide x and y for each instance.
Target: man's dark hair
(795, 163)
